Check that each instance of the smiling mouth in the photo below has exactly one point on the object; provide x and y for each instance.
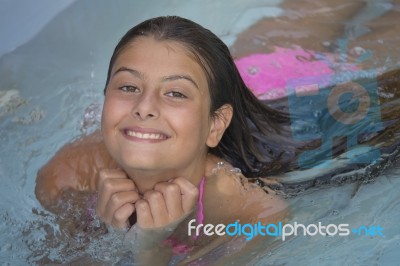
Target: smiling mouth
(146, 136)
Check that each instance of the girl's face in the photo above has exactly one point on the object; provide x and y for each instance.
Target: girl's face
(156, 116)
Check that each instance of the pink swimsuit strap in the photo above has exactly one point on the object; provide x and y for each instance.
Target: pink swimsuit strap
(177, 247)
(200, 213)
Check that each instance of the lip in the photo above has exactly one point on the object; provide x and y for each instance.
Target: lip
(139, 134)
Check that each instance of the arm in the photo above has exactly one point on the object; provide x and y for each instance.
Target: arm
(231, 198)
(75, 166)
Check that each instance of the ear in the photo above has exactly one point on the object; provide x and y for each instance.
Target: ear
(220, 122)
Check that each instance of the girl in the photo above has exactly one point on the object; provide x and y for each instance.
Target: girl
(177, 119)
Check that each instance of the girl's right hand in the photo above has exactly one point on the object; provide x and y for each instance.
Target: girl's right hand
(117, 195)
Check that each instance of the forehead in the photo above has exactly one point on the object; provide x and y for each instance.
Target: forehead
(167, 54)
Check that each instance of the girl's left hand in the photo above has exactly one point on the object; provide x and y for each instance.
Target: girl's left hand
(166, 204)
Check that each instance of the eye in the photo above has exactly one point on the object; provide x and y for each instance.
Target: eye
(129, 88)
(176, 94)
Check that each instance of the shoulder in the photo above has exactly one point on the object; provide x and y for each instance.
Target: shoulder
(230, 193)
(75, 166)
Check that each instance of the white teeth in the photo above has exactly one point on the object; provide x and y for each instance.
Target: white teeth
(144, 135)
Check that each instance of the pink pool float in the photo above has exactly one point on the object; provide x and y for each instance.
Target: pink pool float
(267, 74)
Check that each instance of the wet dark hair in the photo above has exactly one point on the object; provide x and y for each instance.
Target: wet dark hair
(256, 139)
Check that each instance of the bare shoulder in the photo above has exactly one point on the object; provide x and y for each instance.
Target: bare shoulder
(230, 193)
(75, 166)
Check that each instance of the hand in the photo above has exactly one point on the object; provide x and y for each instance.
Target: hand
(117, 195)
(167, 203)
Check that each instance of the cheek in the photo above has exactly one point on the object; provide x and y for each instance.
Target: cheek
(197, 124)
(105, 115)
(112, 113)
(114, 108)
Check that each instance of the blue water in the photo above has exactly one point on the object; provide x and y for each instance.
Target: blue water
(51, 92)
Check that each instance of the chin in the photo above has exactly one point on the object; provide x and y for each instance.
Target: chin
(129, 165)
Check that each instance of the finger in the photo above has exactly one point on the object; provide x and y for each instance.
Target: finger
(105, 174)
(121, 216)
(190, 193)
(172, 197)
(158, 207)
(112, 180)
(108, 189)
(144, 216)
(118, 200)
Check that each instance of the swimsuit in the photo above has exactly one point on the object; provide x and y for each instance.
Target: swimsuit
(200, 214)
(180, 248)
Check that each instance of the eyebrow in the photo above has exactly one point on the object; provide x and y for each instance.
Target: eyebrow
(176, 77)
(140, 75)
(130, 70)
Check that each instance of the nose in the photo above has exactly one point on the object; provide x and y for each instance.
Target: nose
(146, 107)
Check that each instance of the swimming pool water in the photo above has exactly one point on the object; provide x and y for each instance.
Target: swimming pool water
(51, 92)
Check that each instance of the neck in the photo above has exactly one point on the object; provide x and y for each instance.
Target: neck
(145, 180)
